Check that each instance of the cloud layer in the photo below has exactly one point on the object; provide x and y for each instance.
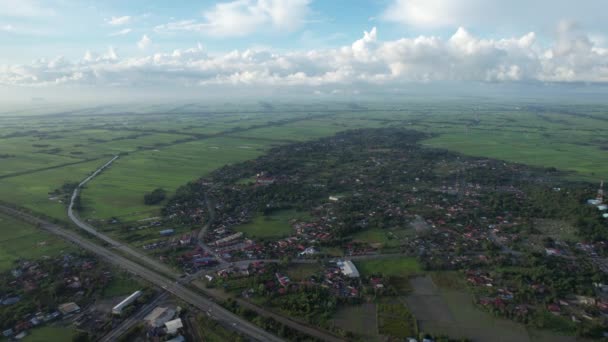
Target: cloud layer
(244, 17)
(571, 57)
(497, 14)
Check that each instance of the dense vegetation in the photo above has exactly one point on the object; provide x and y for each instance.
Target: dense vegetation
(155, 197)
(383, 180)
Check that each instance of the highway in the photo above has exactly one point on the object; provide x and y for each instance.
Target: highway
(163, 268)
(157, 265)
(134, 319)
(114, 243)
(218, 312)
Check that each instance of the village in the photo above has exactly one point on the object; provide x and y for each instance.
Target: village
(68, 291)
(453, 213)
(491, 222)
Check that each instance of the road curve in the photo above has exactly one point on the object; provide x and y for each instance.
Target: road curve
(218, 312)
(114, 243)
(307, 329)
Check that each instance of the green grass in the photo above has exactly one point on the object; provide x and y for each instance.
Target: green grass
(275, 225)
(527, 148)
(484, 128)
(394, 319)
(121, 285)
(301, 272)
(556, 229)
(359, 319)
(332, 251)
(32, 190)
(376, 236)
(119, 191)
(50, 334)
(22, 240)
(398, 266)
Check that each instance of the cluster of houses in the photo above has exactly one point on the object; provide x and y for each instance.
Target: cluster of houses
(342, 279)
(20, 330)
(29, 276)
(186, 239)
(195, 259)
(242, 270)
(497, 295)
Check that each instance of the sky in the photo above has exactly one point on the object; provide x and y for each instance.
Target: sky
(111, 48)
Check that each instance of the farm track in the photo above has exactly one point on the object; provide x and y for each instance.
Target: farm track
(192, 138)
(27, 172)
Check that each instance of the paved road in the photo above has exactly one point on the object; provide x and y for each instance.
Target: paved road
(157, 265)
(171, 273)
(219, 313)
(201, 235)
(134, 319)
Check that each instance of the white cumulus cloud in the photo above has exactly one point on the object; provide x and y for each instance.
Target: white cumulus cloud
(244, 17)
(369, 61)
(119, 21)
(121, 32)
(144, 42)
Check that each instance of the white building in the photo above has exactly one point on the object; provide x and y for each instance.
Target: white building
(173, 326)
(228, 239)
(348, 269)
(68, 308)
(117, 310)
(159, 316)
(308, 251)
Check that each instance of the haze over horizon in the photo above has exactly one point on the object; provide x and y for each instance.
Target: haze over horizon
(60, 50)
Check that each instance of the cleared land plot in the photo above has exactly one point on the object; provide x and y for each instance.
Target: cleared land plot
(275, 225)
(451, 311)
(398, 266)
(426, 303)
(360, 319)
(301, 272)
(118, 191)
(396, 320)
(19, 240)
(556, 229)
(379, 237)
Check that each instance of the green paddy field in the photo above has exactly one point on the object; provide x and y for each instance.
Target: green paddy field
(165, 146)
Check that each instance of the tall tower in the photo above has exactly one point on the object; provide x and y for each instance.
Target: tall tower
(600, 193)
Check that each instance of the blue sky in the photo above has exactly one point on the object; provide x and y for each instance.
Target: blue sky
(314, 43)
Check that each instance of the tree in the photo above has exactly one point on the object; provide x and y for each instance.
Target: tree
(155, 197)
(81, 336)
